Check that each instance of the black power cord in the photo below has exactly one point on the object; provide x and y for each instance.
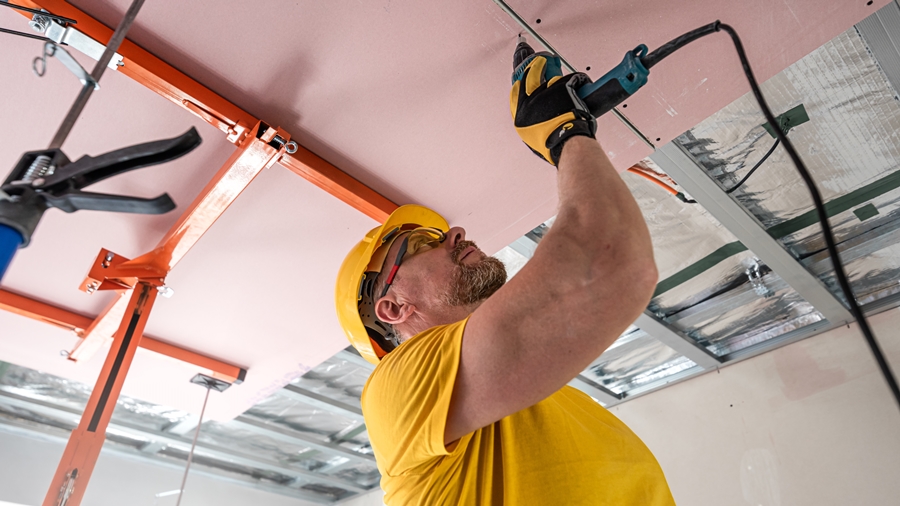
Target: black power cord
(758, 164)
(839, 273)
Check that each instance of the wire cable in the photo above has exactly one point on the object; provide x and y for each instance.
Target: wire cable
(758, 165)
(648, 177)
(839, 273)
(193, 446)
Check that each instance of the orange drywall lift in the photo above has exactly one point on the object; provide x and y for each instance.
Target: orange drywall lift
(138, 281)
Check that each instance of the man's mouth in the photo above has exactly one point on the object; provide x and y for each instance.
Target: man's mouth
(466, 252)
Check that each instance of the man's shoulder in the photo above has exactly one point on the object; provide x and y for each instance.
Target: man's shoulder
(425, 350)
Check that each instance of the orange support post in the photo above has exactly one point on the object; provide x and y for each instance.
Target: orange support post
(77, 324)
(80, 455)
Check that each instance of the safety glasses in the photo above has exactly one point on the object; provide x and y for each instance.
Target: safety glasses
(414, 241)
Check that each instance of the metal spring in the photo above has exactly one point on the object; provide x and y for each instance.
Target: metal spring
(40, 167)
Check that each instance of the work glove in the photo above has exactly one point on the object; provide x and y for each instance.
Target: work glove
(546, 108)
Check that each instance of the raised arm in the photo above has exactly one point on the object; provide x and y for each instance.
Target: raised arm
(589, 279)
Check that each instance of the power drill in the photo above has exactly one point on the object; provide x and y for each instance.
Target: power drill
(610, 90)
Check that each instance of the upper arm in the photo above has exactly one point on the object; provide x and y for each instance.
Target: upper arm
(407, 397)
(541, 329)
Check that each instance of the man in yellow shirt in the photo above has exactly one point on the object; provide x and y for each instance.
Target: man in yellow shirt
(468, 403)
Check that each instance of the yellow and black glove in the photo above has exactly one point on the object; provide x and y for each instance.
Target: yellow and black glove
(546, 108)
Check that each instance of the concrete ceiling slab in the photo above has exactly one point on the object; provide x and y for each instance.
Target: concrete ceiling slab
(409, 97)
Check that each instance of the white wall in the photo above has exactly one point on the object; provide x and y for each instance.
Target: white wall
(27, 464)
(374, 498)
(808, 424)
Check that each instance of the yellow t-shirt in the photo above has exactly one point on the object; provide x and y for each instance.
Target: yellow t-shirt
(566, 449)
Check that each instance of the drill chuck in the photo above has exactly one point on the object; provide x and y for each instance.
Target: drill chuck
(523, 51)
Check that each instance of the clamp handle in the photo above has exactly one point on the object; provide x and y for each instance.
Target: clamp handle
(88, 170)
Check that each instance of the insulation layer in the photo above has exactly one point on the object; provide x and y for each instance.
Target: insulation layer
(851, 145)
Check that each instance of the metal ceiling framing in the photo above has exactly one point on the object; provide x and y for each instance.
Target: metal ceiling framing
(602, 394)
(881, 31)
(179, 439)
(723, 207)
(56, 435)
(677, 341)
(320, 401)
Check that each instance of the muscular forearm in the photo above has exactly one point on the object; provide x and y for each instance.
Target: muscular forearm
(600, 229)
(596, 204)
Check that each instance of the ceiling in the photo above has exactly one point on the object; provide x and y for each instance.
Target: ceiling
(408, 97)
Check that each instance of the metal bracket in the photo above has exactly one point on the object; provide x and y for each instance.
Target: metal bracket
(51, 49)
(115, 272)
(71, 36)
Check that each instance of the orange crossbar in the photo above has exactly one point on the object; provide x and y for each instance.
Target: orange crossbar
(336, 182)
(63, 318)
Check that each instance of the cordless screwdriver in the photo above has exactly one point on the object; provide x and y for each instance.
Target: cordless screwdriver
(614, 87)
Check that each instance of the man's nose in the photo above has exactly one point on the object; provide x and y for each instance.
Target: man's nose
(454, 236)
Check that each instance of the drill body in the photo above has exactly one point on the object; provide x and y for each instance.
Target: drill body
(610, 90)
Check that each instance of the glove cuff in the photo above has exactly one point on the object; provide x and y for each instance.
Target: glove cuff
(583, 125)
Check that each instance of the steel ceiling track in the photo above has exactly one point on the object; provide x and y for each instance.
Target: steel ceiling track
(723, 207)
(881, 31)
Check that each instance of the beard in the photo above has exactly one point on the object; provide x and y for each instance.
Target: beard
(473, 284)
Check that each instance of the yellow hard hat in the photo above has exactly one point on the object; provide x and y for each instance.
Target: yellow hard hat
(372, 338)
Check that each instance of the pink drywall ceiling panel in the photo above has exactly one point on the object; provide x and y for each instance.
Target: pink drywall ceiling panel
(410, 97)
(257, 290)
(706, 75)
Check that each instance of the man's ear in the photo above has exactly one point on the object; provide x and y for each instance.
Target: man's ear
(393, 311)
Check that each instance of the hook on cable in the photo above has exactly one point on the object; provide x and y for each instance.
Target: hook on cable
(41, 61)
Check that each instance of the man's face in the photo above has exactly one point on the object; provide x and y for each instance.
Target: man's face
(454, 272)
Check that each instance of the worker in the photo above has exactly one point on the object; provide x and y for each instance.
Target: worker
(469, 402)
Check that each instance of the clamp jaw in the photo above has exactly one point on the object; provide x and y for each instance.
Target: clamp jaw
(45, 179)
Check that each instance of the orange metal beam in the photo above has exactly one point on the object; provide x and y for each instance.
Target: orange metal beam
(180, 89)
(78, 324)
(256, 153)
(43, 312)
(336, 182)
